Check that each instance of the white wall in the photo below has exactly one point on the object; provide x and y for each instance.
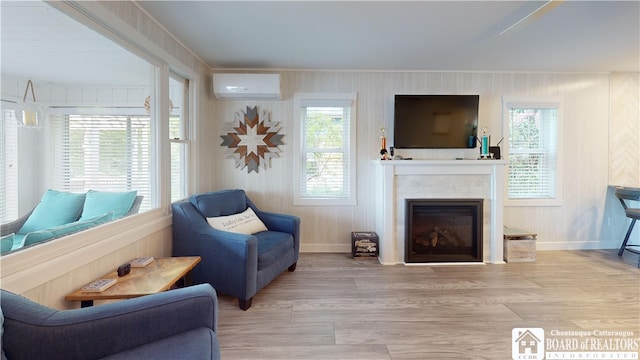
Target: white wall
(583, 220)
(624, 137)
(578, 223)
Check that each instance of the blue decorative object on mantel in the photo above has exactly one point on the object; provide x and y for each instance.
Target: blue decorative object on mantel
(250, 139)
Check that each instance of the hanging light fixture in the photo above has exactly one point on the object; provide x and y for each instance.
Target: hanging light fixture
(147, 105)
(31, 114)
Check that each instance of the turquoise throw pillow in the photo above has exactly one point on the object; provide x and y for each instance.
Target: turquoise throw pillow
(55, 208)
(101, 202)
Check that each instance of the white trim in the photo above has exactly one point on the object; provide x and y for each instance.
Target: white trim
(194, 121)
(375, 70)
(338, 99)
(578, 245)
(391, 244)
(325, 248)
(446, 263)
(97, 109)
(162, 159)
(188, 135)
(535, 101)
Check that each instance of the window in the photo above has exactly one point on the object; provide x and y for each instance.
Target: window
(102, 152)
(533, 149)
(95, 132)
(325, 160)
(9, 163)
(178, 135)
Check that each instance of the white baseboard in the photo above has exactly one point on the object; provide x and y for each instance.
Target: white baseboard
(540, 245)
(325, 248)
(577, 245)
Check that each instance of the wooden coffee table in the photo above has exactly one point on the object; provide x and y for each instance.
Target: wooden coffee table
(160, 275)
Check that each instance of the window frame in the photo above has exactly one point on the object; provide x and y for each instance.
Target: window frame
(184, 140)
(509, 102)
(329, 100)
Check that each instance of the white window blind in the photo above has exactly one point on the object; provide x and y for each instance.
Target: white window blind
(533, 152)
(327, 158)
(178, 173)
(102, 152)
(9, 163)
(178, 135)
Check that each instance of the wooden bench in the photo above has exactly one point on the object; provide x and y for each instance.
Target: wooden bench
(519, 245)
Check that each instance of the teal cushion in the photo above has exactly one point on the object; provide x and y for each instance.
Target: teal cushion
(18, 241)
(70, 228)
(12, 242)
(55, 208)
(35, 237)
(6, 243)
(101, 202)
(82, 224)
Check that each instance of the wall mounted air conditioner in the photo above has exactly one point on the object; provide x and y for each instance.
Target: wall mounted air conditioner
(246, 86)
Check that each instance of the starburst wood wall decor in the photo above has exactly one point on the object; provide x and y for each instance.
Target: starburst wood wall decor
(250, 139)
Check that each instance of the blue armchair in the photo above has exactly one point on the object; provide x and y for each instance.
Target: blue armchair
(175, 324)
(234, 263)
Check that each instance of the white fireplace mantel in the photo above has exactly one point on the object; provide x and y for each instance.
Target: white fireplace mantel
(397, 180)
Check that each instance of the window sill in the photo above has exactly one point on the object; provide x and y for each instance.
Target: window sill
(325, 202)
(533, 202)
(31, 267)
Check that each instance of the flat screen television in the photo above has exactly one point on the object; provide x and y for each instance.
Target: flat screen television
(435, 121)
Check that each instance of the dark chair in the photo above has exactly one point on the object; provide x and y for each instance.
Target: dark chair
(175, 324)
(234, 263)
(629, 194)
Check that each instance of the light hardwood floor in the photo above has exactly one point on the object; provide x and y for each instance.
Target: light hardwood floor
(335, 307)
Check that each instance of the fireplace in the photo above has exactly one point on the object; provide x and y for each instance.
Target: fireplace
(398, 180)
(443, 230)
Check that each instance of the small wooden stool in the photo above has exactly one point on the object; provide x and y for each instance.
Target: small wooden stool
(519, 245)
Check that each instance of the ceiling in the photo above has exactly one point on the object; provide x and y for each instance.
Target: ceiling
(41, 43)
(565, 36)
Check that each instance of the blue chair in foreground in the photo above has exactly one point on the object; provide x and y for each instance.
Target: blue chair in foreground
(175, 324)
(242, 248)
